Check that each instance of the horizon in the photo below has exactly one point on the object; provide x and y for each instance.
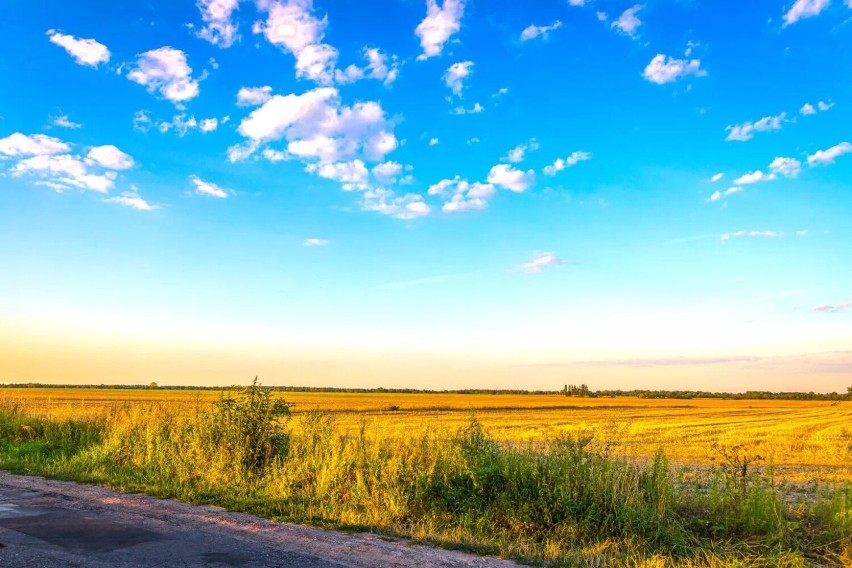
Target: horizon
(456, 195)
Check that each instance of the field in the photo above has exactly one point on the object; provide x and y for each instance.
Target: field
(541, 478)
(805, 440)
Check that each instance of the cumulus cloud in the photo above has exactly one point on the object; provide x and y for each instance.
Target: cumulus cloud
(84, 51)
(353, 174)
(380, 66)
(745, 131)
(434, 141)
(208, 125)
(133, 200)
(315, 242)
(787, 167)
(441, 23)
(540, 261)
(823, 106)
(50, 162)
(754, 177)
(18, 144)
(804, 9)
(208, 188)
(291, 25)
(560, 164)
(664, 69)
(461, 196)
(253, 96)
(386, 202)
(166, 71)
(475, 109)
(316, 126)
(109, 157)
(628, 22)
(181, 123)
(532, 32)
(456, 73)
(518, 153)
(826, 157)
(807, 109)
(716, 177)
(718, 195)
(64, 122)
(507, 177)
(219, 27)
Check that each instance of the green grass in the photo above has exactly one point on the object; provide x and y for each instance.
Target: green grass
(561, 502)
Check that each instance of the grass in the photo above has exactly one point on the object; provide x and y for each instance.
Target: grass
(575, 493)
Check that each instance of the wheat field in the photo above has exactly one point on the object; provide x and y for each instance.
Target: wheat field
(806, 441)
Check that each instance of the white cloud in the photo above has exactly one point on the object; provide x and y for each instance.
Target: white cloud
(807, 108)
(165, 70)
(753, 177)
(253, 96)
(50, 162)
(664, 69)
(377, 66)
(219, 28)
(753, 234)
(475, 109)
(387, 172)
(440, 23)
(133, 200)
(65, 170)
(18, 144)
(826, 157)
(208, 188)
(386, 202)
(314, 242)
(434, 141)
(628, 22)
(354, 172)
(804, 9)
(823, 106)
(461, 195)
(473, 140)
(518, 153)
(745, 131)
(531, 31)
(455, 75)
(716, 177)
(84, 51)
(507, 177)
(208, 124)
(560, 164)
(109, 157)
(579, 3)
(65, 122)
(717, 195)
(292, 25)
(787, 167)
(540, 261)
(317, 126)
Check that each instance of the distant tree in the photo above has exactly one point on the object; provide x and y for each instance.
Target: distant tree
(849, 393)
(152, 385)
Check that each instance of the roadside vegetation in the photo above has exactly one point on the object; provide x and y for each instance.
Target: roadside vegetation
(570, 500)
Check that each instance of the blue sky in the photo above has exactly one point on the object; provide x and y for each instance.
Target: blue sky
(442, 194)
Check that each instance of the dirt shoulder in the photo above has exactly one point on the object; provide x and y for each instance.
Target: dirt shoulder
(62, 524)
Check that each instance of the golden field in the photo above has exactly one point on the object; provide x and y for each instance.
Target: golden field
(805, 440)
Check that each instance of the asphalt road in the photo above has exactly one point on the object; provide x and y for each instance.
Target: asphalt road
(56, 524)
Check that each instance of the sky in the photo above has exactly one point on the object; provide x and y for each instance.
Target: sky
(440, 194)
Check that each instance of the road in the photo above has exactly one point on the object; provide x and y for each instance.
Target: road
(58, 524)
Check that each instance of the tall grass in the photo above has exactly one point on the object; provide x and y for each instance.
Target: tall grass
(561, 502)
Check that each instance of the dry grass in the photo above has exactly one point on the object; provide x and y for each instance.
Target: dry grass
(805, 440)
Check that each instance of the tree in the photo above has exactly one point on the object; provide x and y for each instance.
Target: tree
(153, 385)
